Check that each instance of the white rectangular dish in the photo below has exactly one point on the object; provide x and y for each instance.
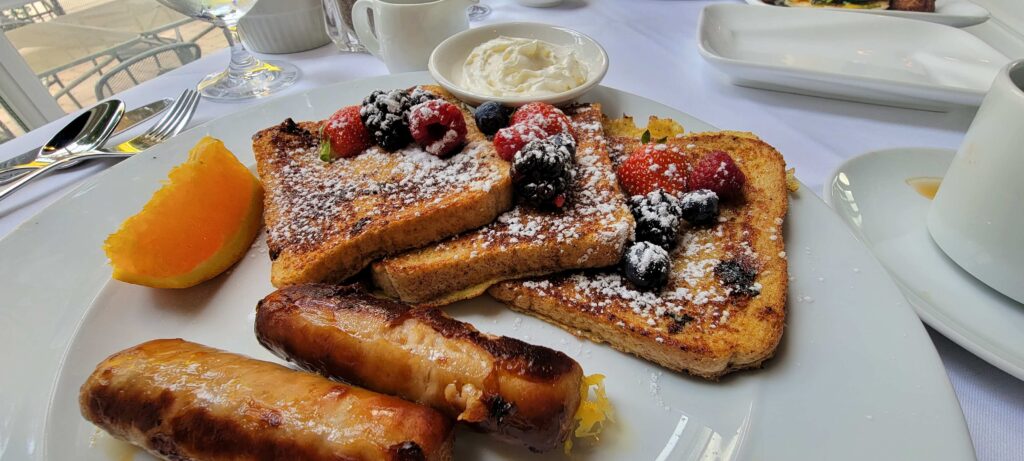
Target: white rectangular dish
(956, 13)
(857, 57)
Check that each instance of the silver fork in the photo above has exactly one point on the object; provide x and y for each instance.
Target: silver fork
(173, 121)
(177, 116)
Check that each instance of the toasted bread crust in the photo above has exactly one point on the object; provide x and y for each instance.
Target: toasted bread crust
(329, 220)
(590, 232)
(702, 328)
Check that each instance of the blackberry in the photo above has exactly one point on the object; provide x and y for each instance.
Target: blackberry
(420, 96)
(700, 207)
(542, 172)
(657, 217)
(738, 277)
(564, 140)
(383, 113)
(491, 116)
(646, 265)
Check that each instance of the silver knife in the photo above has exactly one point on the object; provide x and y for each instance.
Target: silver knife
(130, 120)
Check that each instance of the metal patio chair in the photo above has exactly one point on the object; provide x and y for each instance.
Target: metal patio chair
(144, 66)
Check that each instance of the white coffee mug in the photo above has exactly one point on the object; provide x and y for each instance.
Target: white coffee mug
(977, 217)
(405, 32)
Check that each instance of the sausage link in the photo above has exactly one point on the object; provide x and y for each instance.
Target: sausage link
(522, 393)
(183, 401)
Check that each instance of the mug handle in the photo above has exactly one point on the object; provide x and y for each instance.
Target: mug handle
(361, 22)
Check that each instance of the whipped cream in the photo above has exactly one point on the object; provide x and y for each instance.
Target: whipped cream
(508, 66)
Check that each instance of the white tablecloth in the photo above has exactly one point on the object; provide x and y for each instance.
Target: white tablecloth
(653, 53)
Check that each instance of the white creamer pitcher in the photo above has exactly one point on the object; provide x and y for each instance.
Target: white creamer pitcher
(404, 32)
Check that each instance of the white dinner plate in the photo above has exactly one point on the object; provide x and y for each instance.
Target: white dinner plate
(855, 376)
(956, 13)
(872, 196)
(858, 57)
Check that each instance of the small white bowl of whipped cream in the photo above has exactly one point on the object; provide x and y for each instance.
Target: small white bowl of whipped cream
(518, 62)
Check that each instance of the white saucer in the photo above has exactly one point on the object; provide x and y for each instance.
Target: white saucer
(956, 13)
(857, 57)
(872, 197)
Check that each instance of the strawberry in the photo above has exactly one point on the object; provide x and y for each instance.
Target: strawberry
(651, 167)
(509, 140)
(718, 172)
(345, 134)
(549, 118)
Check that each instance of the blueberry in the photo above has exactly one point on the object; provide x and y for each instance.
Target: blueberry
(647, 265)
(657, 217)
(700, 207)
(491, 116)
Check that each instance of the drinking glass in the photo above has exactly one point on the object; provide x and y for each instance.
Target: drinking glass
(246, 76)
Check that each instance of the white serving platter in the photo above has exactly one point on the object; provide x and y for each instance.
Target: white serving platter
(956, 13)
(855, 377)
(867, 58)
(871, 195)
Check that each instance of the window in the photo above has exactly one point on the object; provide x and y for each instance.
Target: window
(81, 51)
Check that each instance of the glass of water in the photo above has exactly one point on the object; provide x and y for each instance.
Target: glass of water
(338, 19)
(246, 76)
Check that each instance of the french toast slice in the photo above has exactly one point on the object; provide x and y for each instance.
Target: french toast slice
(695, 323)
(590, 231)
(328, 220)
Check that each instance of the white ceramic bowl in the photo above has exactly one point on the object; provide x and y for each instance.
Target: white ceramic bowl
(447, 59)
(284, 26)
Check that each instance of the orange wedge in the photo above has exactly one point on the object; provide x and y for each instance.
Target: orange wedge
(197, 225)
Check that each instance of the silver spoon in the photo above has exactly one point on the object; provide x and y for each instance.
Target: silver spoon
(86, 132)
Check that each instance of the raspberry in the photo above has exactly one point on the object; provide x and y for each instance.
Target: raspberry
(438, 126)
(383, 113)
(509, 140)
(549, 118)
(653, 166)
(647, 265)
(657, 216)
(717, 172)
(542, 173)
(345, 135)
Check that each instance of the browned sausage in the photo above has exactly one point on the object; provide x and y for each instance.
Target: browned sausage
(521, 392)
(183, 401)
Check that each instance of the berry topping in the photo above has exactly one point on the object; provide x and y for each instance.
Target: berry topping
(345, 135)
(549, 118)
(699, 206)
(542, 173)
(438, 126)
(718, 172)
(653, 166)
(383, 113)
(657, 218)
(491, 116)
(647, 265)
(738, 278)
(509, 140)
(419, 96)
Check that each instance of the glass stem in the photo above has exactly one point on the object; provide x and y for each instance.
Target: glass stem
(242, 61)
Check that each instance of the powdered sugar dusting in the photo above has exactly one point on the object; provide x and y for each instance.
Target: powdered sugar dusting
(315, 199)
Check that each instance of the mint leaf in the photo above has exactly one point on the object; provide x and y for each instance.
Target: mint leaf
(325, 146)
(646, 137)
